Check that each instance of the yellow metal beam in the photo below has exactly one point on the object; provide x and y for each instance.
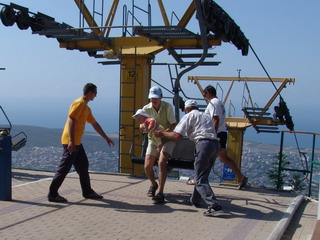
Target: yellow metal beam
(145, 42)
(88, 17)
(228, 93)
(110, 18)
(140, 50)
(237, 122)
(83, 45)
(265, 121)
(241, 79)
(163, 13)
(284, 82)
(135, 45)
(129, 44)
(187, 15)
(276, 94)
(116, 44)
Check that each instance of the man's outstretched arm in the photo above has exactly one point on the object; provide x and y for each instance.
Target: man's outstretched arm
(99, 130)
(169, 135)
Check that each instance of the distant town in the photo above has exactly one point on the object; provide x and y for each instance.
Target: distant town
(257, 159)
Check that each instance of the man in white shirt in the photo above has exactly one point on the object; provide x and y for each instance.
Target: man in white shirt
(198, 127)
(218, 115)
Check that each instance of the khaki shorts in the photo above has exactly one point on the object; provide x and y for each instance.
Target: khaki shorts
(167, 148)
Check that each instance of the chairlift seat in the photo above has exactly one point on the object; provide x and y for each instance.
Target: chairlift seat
(182, 155)
(18, 141)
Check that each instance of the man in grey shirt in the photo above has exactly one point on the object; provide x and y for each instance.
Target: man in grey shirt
(198, 127)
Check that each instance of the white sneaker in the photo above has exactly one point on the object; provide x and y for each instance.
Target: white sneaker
(213, 211)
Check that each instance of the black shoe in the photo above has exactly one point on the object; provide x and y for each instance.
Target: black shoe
(213, 211)
(243, 183)
(159, 198)
(57, 199)
(152, 191)
(93, 195)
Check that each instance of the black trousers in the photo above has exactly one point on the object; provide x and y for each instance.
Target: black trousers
(80, 162)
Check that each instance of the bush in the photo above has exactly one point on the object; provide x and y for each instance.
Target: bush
(273, 172)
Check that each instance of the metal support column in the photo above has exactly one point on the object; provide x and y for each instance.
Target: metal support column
(280, 160)
(135, 84)
(235, 144)
(5, 168)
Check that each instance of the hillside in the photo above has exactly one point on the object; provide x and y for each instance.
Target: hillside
(50, 137)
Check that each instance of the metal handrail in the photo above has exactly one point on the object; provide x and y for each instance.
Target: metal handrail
(280, 168)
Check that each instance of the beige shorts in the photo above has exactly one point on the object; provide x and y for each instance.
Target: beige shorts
(167, 148)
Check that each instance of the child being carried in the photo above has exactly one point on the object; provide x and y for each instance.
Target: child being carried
(149, 125)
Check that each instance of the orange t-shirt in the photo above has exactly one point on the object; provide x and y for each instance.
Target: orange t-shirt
(79, 111)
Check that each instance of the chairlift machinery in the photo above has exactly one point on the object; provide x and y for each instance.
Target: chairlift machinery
(136, 48)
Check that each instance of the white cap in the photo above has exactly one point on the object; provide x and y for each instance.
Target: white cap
(155, 92)
(190, 103)
(141, 112)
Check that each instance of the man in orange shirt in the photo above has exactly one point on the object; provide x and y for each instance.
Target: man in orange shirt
(73, 151)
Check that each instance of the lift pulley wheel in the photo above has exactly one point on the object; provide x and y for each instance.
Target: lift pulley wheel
(23, 20)
(7, 15)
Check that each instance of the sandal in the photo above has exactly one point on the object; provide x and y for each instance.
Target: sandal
(159, 198)
(191, 182)
(57, 199)
(152, 191)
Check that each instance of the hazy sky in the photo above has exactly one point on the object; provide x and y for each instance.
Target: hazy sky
(41, 79)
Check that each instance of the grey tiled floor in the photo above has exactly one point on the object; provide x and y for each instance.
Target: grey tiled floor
(127, 213)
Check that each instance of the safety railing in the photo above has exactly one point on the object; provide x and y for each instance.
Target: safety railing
(308, 167)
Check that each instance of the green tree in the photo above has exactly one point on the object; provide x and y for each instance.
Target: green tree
(273, 173)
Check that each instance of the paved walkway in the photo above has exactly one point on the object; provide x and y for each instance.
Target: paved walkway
(127, 213)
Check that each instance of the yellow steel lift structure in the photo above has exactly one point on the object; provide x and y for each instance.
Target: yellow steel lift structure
(135, 52)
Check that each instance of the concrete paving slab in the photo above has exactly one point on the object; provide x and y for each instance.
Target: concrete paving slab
(127, 213)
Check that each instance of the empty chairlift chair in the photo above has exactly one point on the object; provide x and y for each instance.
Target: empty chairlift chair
(182, 155)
